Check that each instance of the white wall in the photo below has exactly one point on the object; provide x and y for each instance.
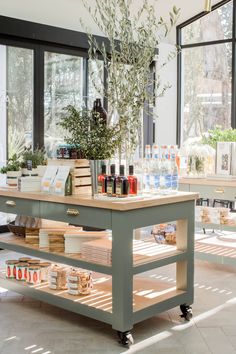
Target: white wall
(66, 13)
(2, 104)
(166, 105)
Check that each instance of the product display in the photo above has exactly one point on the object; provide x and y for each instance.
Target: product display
(102, 181)
(111, 182)
(57, 277)
(11, 268)
(214, 215)
(22, 271)
(33, 275)
(75, 238)
(79, 282)
(133, 182)
(164, 233)
(122, 184)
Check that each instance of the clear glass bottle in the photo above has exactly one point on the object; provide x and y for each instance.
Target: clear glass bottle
(146, 168)
(133, 182)
(122, 184)
(111, 182)
(155, 171)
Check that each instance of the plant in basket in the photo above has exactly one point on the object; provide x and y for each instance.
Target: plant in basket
(12, 170)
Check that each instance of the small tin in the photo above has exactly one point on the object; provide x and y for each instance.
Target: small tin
(34, 275)
(11, 268)
(21, 271)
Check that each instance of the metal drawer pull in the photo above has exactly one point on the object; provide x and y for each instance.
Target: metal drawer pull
(73, 212)
(219, 190)
(11, 203)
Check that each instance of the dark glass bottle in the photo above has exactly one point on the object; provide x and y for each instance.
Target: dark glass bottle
(102, 181)
(111, 182)
(122, 185)
(97, 108)
(133, 182)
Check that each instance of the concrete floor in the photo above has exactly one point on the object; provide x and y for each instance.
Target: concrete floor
(28, 326)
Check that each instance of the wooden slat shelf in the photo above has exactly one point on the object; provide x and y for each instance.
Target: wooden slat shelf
(146, 292)
(144, 257)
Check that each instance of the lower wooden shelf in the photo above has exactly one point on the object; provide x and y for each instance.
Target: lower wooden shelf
(146, 292)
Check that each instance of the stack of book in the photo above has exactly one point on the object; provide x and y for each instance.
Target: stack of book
(56, 241)
(98, 251)
(29, 184)
(32, 236)
(74, 238)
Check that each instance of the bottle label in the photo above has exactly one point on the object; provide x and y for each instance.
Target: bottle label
(99, 187)
(168, 179)
(156, 181)
(118, 189)
(175, 181)
(109, 188)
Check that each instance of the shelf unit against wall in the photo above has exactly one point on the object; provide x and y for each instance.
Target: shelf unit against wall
(208, 248)
(123, 288)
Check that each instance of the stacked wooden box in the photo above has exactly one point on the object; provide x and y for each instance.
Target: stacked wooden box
(80, 171)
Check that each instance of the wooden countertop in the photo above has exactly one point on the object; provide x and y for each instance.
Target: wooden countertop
(85, 200)
(208, 182)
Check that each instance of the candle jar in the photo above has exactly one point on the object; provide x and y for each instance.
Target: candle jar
(11, 268)
(22, 271)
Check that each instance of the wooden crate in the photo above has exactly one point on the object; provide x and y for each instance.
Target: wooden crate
(80, 171)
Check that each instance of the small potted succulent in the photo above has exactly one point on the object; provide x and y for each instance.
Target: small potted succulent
(12, 170)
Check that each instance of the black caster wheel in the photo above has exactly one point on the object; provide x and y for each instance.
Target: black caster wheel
(187, 313)
(125, 338)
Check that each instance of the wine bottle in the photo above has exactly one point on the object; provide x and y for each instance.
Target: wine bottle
(133, 182)
(122, 184)
(98, 109)
(102, 181)
(111, 182)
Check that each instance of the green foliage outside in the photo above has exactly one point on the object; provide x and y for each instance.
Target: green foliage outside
(218, 134)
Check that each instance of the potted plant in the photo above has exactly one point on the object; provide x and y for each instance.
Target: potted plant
(86, 131)
(12, 170)
(33, 162)
(128, 52)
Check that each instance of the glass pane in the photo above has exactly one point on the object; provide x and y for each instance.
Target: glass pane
(95, 81)
(214, 26)
(63, 86)
(206, 89)
(16, 100)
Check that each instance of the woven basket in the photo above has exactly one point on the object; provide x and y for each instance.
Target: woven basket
(16, 230)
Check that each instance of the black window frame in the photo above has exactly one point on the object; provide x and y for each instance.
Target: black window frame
(201, 44)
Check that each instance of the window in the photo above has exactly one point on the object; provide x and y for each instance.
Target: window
(16, 100)
(63, 86)
(206, 73)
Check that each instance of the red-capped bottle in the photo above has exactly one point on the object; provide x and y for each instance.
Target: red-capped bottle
(102, 181)
(133, 182)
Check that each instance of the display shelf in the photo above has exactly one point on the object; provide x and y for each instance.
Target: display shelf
(148, 255)
(146, 292)
(212, 249)
(221, 227)
(122, 217)
(18, 244)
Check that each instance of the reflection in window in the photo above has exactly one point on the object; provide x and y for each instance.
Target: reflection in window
(16, 100)
(216, 25)
(95, 81)
(206, 88)
(63, 86)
